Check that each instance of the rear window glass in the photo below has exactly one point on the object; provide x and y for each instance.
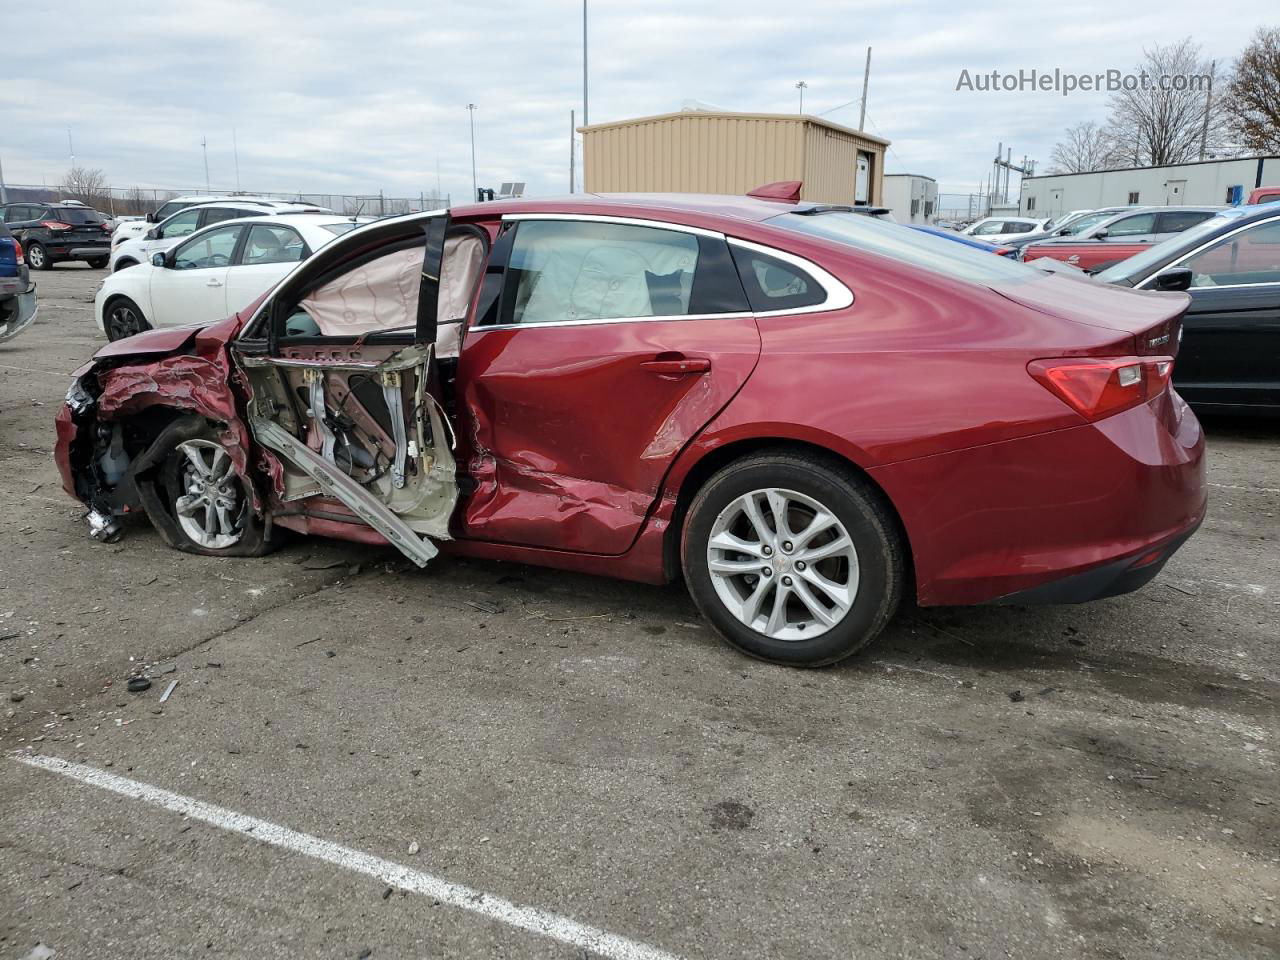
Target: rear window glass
(898, 242)
(75, 215)
(338, 229)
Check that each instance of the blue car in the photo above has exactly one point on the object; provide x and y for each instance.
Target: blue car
(17, 292)
(952, 235)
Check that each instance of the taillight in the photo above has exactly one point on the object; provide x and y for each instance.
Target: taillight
(1099, 387)
(106, 227)
(17, 248)
(55, 225)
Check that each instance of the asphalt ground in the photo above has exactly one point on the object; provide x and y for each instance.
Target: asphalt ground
(486, 760)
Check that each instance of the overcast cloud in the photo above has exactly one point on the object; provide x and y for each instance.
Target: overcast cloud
(353, 98)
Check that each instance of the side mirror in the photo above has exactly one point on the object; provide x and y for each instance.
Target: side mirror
(1174, 278)
(159, 260)
(1064, 231)
(1100, 235)
(152, 234)
(151, 218)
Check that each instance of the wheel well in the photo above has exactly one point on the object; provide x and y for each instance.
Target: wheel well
(715, 461)
(124, 262)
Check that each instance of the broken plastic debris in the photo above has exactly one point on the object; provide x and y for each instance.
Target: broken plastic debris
(168, 690)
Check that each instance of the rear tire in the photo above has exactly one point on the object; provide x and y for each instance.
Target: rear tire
(807, 591)
(123, 318)
(97, 263)
(38, 257)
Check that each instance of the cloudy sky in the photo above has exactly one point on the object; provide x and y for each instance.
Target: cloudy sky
(355, 97)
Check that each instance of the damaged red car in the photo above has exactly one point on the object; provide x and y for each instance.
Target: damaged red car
(806, 414)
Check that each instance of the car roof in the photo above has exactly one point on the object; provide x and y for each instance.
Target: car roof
(286, 205)
(297, 219)
(636, 204)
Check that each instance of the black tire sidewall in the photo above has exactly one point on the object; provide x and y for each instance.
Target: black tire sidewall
(97, 263)
(251, 543)
(122, 302)
(880, 569)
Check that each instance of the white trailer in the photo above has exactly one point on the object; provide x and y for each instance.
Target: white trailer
(911, 197)
(1207, 182)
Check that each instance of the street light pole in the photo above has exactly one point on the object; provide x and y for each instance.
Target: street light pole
(471, 112)
(204, 145)
(585, 120)
(801, 85)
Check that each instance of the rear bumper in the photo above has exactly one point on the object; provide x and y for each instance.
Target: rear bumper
(1074, 514)
(77, 250)
(17, 312)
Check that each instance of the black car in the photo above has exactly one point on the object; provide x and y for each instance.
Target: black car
(17, 292)
(52, 232)
(1230, 265)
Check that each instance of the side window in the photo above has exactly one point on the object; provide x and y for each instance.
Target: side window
(214, 215)
(989, 228)
(211, 249)
(270, 243)
(1017, 226)
(1177, 222)
(1134, 226)
(1251, 256)
(180, 225)
(772, 284)
(577, 270)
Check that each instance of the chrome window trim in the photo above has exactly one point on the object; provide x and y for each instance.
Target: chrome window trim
(1204, 246)
(838, 295)
(608, 320)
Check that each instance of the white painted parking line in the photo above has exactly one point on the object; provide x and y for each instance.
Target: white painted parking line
(532, 919)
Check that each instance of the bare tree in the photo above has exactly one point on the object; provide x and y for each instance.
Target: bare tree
(1253, 96)
(86, 185)
(1162, 118)
(1084, 147)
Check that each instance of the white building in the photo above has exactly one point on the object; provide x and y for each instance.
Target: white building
(1205, 182)
(911, 197)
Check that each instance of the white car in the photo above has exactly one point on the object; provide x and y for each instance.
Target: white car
(996, 230)
(213, 272)
(131, 251)
(139, 226)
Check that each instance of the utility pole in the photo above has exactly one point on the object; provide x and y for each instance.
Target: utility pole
(1208, 103)
(801, 85)
(204, 145)
(71, 150)
(585, 121)
(4, 197)
(1001, 169)
(235, 152)
(866, 78)
(471, 112)
(571, 151)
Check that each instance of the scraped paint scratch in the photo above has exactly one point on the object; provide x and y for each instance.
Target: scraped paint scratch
(531, 919)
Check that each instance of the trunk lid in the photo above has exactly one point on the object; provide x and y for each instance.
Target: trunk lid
(1151, 319)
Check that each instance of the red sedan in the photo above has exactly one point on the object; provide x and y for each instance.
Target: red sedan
(805, 413)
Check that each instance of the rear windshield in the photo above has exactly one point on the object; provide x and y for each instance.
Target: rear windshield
(75, 215)
(930, 252)
(338, 229)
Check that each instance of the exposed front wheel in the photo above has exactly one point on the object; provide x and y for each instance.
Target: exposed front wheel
(793, 558)
(124, 319)
(197, 498)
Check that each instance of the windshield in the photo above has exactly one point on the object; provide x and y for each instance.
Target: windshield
(1137, 265)
(909, 246)
(1087, 221)
(75, 215)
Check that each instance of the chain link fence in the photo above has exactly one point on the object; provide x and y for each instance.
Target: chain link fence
(139, 201)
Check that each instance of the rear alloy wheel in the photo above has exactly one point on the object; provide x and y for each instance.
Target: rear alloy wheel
(795, 559)
(124, 319)
(38, 257)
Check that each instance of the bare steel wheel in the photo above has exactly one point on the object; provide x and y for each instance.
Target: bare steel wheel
(783, 564)
(793, 556)
(212, 510)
